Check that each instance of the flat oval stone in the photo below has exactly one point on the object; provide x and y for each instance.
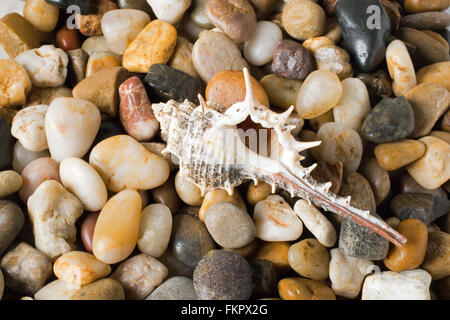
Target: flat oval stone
(223, 275)
(259, 49)
(99, 61)
(167, 195)
(392, 156)
(389, 121)
(219, 195)
(11, 222)
(433, 20)
(10, 183)
(6, 144)
(55, 290)
(175, 288)
(41, 15)
(310, 259)
(28, 127)
(365, 38)
(168, 83)
(291, 60)
(335, 59)
(187, 190)
(190, 240)
(275, 252)
(182, 57)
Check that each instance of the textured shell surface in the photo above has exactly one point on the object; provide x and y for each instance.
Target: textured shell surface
(210, 150)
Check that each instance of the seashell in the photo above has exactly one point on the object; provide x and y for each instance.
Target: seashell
(212, 153)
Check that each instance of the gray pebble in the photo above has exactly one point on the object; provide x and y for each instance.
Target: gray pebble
(175, 288)
(11, 222)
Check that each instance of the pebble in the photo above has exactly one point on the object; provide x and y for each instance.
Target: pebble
(314, 44)
(405, 285)
(45, 96)
(10, 182)
(219, 195)
(264, 278)
(429, 102)
(406, 184)
(354, 105)
(121, 26)
(304, 289)
(117, 229)
(56, 234)
(326, 172)
(78, 59)
(223, 275)
(435, 73)
(433, 20)
(99, 61)
(365, 43)
(441, 135)
(236, 18)
(416, 6)
(229, 225)
(437, 258)
(275, 252)
(310, 259)
(170, 11)
(445, 122)
(214, 52)
(389, 121)
(78, 268)
(157, 148)
(410, 255)
(175, 266)
(7, 114)
(198, 15)
(187, 190)
(87, 230)
(320, 92)
(123, 163)
(86, 7)
(394, 12)
(15, 83)
(257, 193)
(316, 223)
(317, 122)
(25, 268)
(68, 39)
(340, 144)
(190, 240)
(11, 222)
(228, 87)
(139, 276)
(174, 288)
(401, 68)
(6, 144)
(395, 155)
(155, 230)
(154, 44)
(334, 59)
(282, 92)
(424, 207)
(347, 273)
(55, 290)
(104, 289)
(28, 127)
(91, 24)
(378, 179)
(433, 169)
(167, 195)
(94, 44)
(276, 221)
(182, 58)
(41, 15)
(135, 110)
(292, 61)
(71, 126)
(378, 84)
(303, 19)
(356, 186)
(260, 48)
(35, 173)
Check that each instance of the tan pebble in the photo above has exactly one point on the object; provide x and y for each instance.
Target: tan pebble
(314, 44)
(334, 59)
(55, 290)
(392, 156)
(303, 19)
(435, 73)
(167, 195)
(14, 83)
(100, 61)
(10, 182)
(41, 15)
(257, 193)
(333, 30)
(157, 148)
(304, 289)
(378, 178)
(219, 195)
(392, 221)
(310, 259)
(417, 6)
(437, 259)
(104, 289)
(444, 135)
(90, 24)
(187, 190)
(17, 35)
(182, 57)
(282, 92)
(400, 68)
(275, 252)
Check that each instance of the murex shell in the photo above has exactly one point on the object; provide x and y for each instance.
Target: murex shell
(211, 153)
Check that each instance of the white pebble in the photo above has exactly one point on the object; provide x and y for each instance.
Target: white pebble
(169, 10)
(28, 126)
(400, 67)
(55, 290)
(155, 230)
(259, 49)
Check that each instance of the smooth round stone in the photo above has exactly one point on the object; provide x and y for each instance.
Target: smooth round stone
(15, 83)
(99, 61)
(264, 278)
(41, 15)
(10, 182)
(257, 193)
(320, 92)
(71, 126)
(438, 255)
(182, 58)
(347, 273)
(400, 67)
(167, 195)
(117, 229)
(260, 48)
(319, 121)
(228, 87)
(236, 18)
(354, 105)
(11, 222)
(123, 163)
(429, 102)
(68, 39)
(55, 290)
(45, 96)
(190, 240)
(340, 144)
(6, 144)
(155, 230)
(121, 26)
(356, 186)
(291, 60)
(135, 4)
(334, 59)
(104, 289)
(275, 252)
(304, 289)
(433, 169)
(78, 59)
(282, 92)
(198, 15)
(229, 225)
(223, 275)
(435, 73)
(168, 83)
(214, 52)
(187, 190)
(395, 155)
(410, 255)
(84, 182)
(175, 288)
(310, 259)
(406, 184)
(87, 230)
(378, 179)
(78, 268)
(416, 6)
(303, 19)
(276, 221)
(434, 20)
(170, 11)
(220, 195)
(389, 121)
(441, 135)
(36, 172)
(94, 44)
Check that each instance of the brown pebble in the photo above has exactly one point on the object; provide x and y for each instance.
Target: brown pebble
(87, 230)
(166, 194)
(304, 289)
(437, 259)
